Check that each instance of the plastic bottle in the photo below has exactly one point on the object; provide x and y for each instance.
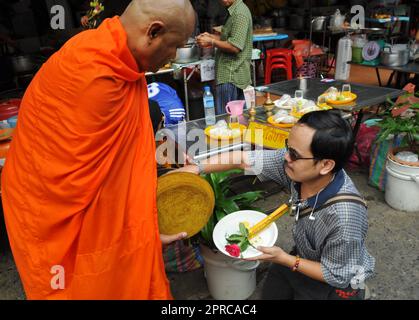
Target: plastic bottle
(344, 55)
(209, 107)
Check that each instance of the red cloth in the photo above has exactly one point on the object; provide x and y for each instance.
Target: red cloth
(301, 50)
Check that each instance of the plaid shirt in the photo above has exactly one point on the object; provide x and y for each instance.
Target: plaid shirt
(336, 237)
(238, 31)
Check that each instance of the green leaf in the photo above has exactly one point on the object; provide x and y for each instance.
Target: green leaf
(229, 206)
(226, 203)
(247, 197)
(251, 208)
(224, 176)
(243, 230)
(244, 245)
(206, 232)
(216, 186)
(219, 214)
(235, 238)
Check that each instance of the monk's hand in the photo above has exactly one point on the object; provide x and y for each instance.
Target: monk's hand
(84, 21)
(270, 254)
(168, 239)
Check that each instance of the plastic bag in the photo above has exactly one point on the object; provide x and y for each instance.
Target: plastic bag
(378, 157)
(407, 156)
(364, 141)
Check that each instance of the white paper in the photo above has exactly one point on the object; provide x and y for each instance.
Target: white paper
(207, 70)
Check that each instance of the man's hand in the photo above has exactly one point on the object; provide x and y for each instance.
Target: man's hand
(205, 40)
(271, 254)
(166, 239)
(189, 166)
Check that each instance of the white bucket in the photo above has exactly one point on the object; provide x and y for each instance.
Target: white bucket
(402, 186)
(228, 278)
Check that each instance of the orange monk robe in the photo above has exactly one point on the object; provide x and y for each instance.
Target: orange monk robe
(79, 185)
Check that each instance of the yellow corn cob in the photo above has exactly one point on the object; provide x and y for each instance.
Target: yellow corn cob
(261, 225)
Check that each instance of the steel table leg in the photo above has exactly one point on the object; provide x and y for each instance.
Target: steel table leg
(378, 77)
(390, 80)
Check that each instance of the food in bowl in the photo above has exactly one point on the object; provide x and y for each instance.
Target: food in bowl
(284, 117)
(222, 129)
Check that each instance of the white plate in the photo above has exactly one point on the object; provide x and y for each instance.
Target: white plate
(230, 225)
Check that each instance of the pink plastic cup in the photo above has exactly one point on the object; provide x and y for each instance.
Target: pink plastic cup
(235, 108)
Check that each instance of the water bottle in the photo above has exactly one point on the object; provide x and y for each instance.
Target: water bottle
(209, 107)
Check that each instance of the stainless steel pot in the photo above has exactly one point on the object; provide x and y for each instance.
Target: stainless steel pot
(394, 58)
(318, 23)
(187, 54)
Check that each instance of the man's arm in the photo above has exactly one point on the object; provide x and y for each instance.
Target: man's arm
(307, 267)
(225, 46)
(206, 40)
(219, 163)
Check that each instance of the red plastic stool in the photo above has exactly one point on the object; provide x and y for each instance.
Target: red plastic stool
(274, 66)
(278, 59)
(278, 53)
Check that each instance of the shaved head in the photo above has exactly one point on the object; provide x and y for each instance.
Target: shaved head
(156, 28)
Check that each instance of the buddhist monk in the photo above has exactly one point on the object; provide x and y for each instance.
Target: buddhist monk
(79, 185)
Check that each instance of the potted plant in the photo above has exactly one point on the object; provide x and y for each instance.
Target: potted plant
(227, 278)
(401, 122)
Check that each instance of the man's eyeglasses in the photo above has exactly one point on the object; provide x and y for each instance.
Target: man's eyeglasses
(294, 156)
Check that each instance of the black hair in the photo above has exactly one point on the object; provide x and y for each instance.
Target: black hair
(333, 138)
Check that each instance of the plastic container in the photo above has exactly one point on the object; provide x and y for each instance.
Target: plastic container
(235, 108)
(402, 186)
(209, 107)
(357, 55)
(228, 278)
(344, 55)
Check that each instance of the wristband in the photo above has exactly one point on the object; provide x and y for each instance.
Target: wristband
(297, 263)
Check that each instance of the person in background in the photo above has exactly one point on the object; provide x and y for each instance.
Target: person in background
(330, 259)
(416, 77)
(233, 55)
(79, 184)
(168, 101)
